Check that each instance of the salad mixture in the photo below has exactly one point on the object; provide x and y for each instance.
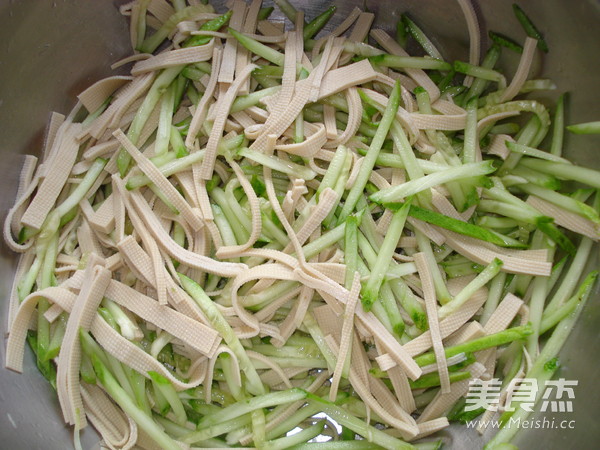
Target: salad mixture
(269, 236)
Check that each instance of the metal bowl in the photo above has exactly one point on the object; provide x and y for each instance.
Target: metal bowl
(50, 51)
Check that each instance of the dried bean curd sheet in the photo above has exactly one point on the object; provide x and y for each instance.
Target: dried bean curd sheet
(270, 236)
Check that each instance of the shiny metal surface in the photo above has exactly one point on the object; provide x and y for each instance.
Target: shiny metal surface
(51, 50)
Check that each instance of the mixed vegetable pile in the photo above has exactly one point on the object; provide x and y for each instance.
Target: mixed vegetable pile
(270, 236)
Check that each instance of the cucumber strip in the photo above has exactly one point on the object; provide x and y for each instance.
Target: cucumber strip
(494, 294)
(265, 12)
(395, 161)
(469, 154)
(219, 323)
(529, 27)
(505, 41)
(564, 171)
(258, 48)
(351, 249)
(291, 422)
(570, 279)
(489, 61)
(317, 24)
(458, 226)
(95, 114)
(489, 341)
(401, 33)
(465, 294)
(192, 73)
(543, 369)
(496, 222)
(161, 83)
(441, 289)
(57, 334)
(150, 44)
(297, 438)
(533, 176)
(552, 317)
(313, 329)
(126, 403)
(558, 131)
(127, 327)
(410, 62)
(399, 192)
(562, 201)
(534, 152)
(338, 445)
(433, 379)
(418, 35)
(367, 431)
(275, 163)
(370, 291)
(585, 128)
(245, 101)
(246, 406)
(325, 241)
(212, 25)
(82, 188)
(521, 106)
(163, 133)
(505, 128)
(167, 169)
(374, 149)
(477, 71)
(287, 9)
(177, 143)
(165, 387)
